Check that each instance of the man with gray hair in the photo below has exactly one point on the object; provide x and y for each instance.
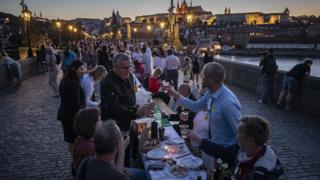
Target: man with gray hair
(109, 160)
(222, 105)
(118, 99)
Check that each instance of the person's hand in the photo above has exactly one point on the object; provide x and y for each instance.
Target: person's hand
(194, 137)
(125, 142)
(171, 91)
(146, 110)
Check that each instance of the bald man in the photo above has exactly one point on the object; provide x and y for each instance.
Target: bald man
(222, 105)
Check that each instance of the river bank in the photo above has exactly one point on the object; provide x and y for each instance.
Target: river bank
(280, 53)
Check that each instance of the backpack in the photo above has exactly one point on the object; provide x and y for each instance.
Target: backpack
(58, 59)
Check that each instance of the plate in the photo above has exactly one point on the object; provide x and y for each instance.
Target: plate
(157, 153)
(175, 141)
(176, 171)
(190, 162)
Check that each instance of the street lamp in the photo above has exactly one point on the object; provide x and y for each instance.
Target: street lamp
(26, 14)
(149, 27)
(189, 21)
(70, 27)
(162, 26)
(59, 25)
(135, 33)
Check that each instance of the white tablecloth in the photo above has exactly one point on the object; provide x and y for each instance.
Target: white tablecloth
(161, 174)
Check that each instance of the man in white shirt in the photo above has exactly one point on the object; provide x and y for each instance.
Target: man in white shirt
(172, 66)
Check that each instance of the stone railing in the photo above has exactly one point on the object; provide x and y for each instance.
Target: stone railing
(248, 77)
(29, 67)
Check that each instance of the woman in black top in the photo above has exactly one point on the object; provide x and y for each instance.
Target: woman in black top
(72, 100)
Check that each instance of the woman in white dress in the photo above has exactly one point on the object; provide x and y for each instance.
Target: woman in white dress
(52, 69)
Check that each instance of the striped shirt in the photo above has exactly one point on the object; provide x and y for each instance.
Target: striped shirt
(172, 62)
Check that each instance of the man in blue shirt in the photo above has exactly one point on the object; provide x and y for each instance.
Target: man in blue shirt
(222, 105)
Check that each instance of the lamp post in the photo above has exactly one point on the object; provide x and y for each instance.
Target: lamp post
(135, 33)
(59, 25)
(149, 27)
(75, 30)
(162, 26)
(26, 14)
(189, 21)
(70, 27)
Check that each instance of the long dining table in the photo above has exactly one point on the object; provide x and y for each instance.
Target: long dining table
(157, 174)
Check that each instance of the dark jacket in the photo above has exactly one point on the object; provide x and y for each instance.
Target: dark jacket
(267, 167)
(72, 98)
(269, 65)
(176, 117)
(118, 100)
(226, 154)
(92, 168)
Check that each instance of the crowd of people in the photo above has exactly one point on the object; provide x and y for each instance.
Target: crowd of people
(98, 128)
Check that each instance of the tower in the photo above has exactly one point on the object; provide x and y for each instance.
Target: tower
(173, 36)
(229, 10)
(190, 3)
(225, 10)
(286, 11)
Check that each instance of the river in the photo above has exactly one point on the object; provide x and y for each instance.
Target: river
(284, 63)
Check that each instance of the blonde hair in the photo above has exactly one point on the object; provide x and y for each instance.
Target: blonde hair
(98, 71)
(157, 72)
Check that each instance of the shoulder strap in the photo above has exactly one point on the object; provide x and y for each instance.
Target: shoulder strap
(84, 168)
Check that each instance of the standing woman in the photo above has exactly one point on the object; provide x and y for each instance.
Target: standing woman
(52, 69)
(72, 99)
(88, 81)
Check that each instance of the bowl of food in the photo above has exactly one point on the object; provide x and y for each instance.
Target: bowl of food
(176, 171)
(190, 162)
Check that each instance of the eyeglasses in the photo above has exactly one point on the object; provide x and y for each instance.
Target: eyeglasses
(126, 67)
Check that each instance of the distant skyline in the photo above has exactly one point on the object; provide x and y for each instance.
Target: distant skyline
(70, 9)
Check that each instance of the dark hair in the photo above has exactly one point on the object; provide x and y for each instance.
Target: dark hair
(73, 68)
(270, 51)
(257, 128)
(66, 52)
(154, 53)
(170, 51)
(85, 122)
(106, 138)
(144, 49)
(308, 61)
(161, 52)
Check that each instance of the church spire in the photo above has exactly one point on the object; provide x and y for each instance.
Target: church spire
(190, 3)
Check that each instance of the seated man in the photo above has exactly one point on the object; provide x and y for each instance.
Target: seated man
(109, 160)
(255, 159)
(185, 91)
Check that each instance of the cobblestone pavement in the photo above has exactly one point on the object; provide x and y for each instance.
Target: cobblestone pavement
(32, 147)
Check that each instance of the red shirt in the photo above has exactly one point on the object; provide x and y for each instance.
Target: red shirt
(82, 148)
(154, 84)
